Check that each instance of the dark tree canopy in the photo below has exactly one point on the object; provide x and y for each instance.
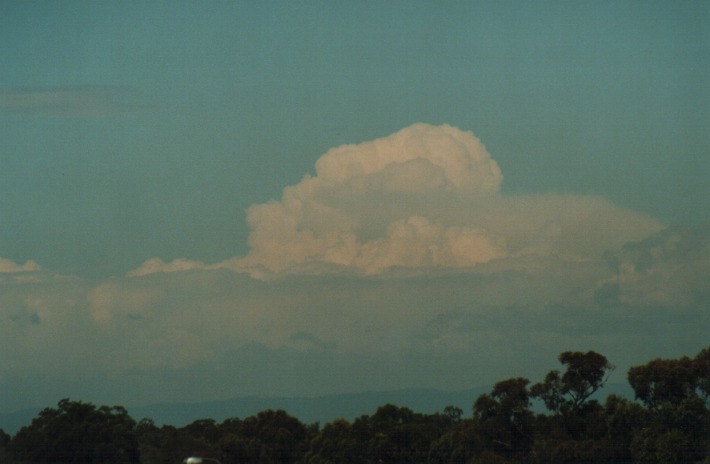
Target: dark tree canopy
(584, 376)
(668, 422)
(504, 417)
(666, 380)
(77, 432)
(701, 364)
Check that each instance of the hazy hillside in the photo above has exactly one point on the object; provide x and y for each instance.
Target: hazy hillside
(320, 409)
(309, 410)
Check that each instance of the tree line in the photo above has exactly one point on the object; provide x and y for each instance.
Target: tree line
(668, 422)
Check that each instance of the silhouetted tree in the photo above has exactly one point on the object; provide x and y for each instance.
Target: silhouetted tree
(395, 435)
(701, 365)
(504, 419)
(4, 443)
(675, 393)
(624, 419)
(77, 432)
(670, 424)
(584, 375)
(663, 380)
(456, 445)
(269, 437)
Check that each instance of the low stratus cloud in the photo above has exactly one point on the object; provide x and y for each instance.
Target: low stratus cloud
(201, 333)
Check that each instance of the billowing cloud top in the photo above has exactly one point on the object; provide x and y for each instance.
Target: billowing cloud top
(365, 208)
(426, 197)
(418, 159)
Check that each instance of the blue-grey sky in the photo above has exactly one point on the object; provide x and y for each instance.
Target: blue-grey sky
(152, 163)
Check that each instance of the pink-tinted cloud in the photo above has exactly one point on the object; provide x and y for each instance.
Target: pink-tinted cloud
(158, 265)
(8, 266)
(425, 197)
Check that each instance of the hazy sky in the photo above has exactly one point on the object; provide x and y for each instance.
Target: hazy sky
(201, 200)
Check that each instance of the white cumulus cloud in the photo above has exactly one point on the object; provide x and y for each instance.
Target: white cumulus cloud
(424, 197)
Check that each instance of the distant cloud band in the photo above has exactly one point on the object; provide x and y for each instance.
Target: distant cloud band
(80, 101)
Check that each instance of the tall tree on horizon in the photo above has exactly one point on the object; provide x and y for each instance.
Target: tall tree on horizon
(585, 374)
(77, 433)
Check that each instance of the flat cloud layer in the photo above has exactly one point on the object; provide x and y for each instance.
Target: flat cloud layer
(81, 101)
(398, 264)
(206, 334)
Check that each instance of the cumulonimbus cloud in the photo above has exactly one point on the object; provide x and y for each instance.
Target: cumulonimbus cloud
(489, 276)
(424, 197)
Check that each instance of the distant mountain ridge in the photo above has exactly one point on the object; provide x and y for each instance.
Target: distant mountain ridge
(309, 410)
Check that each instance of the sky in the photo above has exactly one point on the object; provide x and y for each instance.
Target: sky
(204, 200)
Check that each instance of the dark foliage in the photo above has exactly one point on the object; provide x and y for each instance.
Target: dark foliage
(77, 432)
(669, 424)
